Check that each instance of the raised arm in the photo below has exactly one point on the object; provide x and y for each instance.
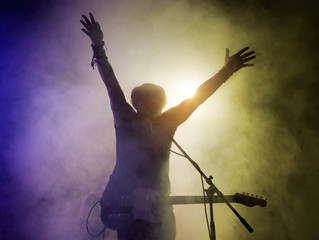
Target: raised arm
(181, 113)
(119, 105)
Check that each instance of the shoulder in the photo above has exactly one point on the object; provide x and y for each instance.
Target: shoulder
(124, 116)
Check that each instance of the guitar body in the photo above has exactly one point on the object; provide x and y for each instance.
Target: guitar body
(147, 205)
(117, 210)
(115, 213)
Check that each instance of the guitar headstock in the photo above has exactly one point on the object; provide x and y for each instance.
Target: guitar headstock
(250, 200)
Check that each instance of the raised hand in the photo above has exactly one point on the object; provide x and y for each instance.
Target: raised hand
(93, 30)
(239, 60)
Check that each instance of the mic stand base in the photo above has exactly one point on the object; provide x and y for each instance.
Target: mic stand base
(210, 193)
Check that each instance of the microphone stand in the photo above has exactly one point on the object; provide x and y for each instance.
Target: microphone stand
(210, 192)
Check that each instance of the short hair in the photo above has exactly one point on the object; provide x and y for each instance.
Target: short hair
(138, 93)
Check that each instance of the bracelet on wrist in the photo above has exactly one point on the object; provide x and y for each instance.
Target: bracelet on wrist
(98, 52)
(96, 46)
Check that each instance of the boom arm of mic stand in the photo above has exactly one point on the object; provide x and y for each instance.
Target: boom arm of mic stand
(221, 195)
(214, 188)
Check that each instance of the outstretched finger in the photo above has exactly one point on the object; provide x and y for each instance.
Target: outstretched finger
(226, 55)
(86, 32)
(92, 18)
(248, 54)
(227, 52)
(248, 65)
(241, 51)
(84, 23)
(248, 59)
(86, 20)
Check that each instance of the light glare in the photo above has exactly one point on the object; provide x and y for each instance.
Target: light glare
(187, 90)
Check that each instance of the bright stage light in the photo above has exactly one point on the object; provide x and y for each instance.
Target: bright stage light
(186, 91)
(181, 92)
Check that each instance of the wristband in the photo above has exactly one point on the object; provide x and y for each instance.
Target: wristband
(98, 52)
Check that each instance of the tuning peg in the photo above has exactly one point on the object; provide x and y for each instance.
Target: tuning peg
(247, 194)
(243, 193)
(256, 196)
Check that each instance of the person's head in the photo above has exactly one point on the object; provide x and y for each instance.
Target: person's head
(148, 99)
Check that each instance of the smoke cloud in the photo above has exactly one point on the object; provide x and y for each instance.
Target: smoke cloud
(258, 133)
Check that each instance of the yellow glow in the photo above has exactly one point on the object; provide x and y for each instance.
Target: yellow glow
(186, 91)
(181, 92)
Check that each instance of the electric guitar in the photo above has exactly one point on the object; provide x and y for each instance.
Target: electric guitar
(145, 203)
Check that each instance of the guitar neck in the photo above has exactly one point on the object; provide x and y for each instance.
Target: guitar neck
(174, 200)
